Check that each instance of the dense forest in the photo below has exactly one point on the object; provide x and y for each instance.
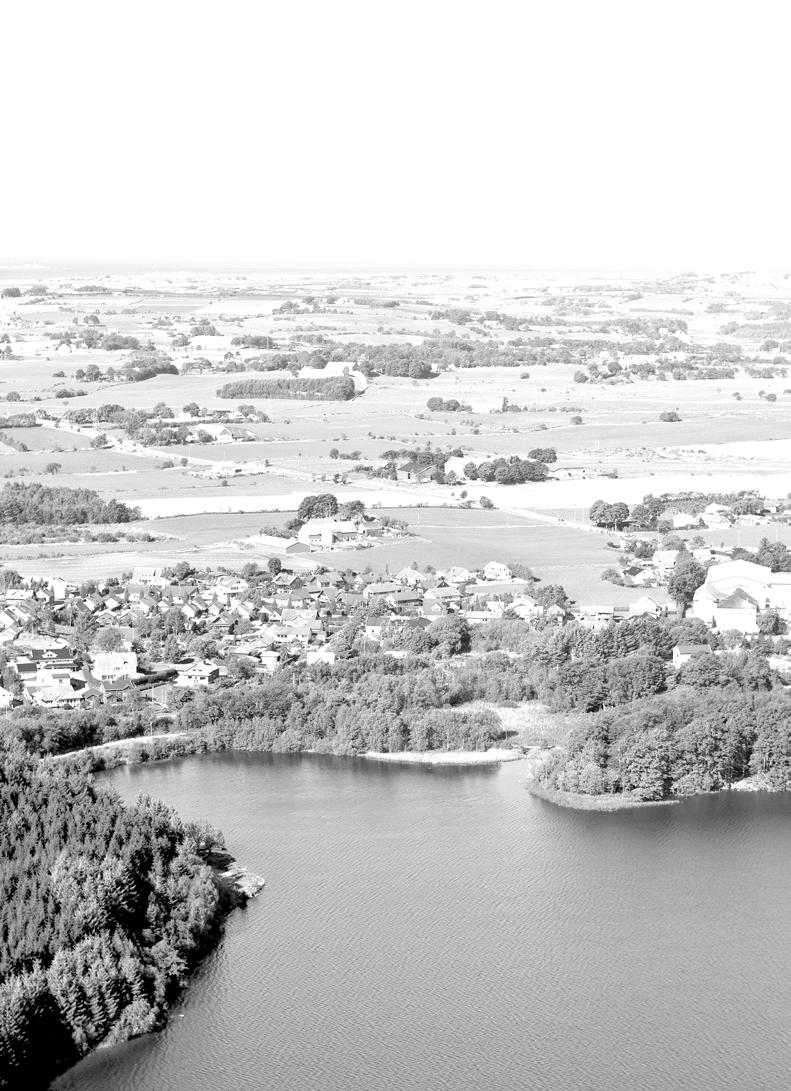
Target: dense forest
(103, 910)
(339, 388)
(56, 504)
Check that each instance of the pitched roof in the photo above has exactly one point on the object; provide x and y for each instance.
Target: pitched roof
(738, 600)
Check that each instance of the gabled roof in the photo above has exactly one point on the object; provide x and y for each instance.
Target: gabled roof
(738, 600)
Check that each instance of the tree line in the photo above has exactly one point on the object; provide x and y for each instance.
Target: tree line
(337, 388)
(48, 504)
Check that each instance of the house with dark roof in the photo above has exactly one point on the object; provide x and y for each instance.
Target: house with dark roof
(682, 653)
(416, 472)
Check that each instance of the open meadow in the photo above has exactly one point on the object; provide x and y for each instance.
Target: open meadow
(587, 366)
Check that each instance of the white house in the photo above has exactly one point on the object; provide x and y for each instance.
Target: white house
(149, 574)
(646, 604)
(664, 561)
(199, 675)
(325, 533)
(496, 571)
(112, 666)
(459, 575)
(682, 520)
(410, 577)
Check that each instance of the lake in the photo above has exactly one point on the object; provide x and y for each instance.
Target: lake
(441, 929)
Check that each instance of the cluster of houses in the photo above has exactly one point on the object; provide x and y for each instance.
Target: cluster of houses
(721, 516)
(50, 675)
(323, 534)
(250, 624)
(253, 625)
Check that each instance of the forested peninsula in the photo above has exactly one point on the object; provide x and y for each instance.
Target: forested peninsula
(104, 910)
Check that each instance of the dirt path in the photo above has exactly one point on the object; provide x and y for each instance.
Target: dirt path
(118, 744)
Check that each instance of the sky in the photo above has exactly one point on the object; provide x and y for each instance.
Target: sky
(558, 134)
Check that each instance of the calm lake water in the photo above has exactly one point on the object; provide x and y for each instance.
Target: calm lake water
(441, 929)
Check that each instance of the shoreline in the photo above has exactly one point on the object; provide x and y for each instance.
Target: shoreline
(578, 801)
(142, 749)
(494, 756)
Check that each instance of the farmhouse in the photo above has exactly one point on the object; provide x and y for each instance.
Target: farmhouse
(325, 533)
(416, 473)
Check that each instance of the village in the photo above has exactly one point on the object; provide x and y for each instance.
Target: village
(158, 631)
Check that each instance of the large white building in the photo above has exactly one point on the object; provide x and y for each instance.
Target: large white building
(736, 592)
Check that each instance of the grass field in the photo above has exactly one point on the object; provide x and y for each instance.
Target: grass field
(621, 433)
(441, 537)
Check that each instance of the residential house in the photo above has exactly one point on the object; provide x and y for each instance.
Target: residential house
(410, 577)
(198, 675)
(270, 659)
(447, 597)
(228, 589)
(647, 604)
(44, 668)
(497, 572)
(682, 653)
(112, 666)
(149, 574)
(406, 601)
(62, 696)
(458, 575)
(7, 698)
(664, 561)
(381, 591)
(638, 575)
